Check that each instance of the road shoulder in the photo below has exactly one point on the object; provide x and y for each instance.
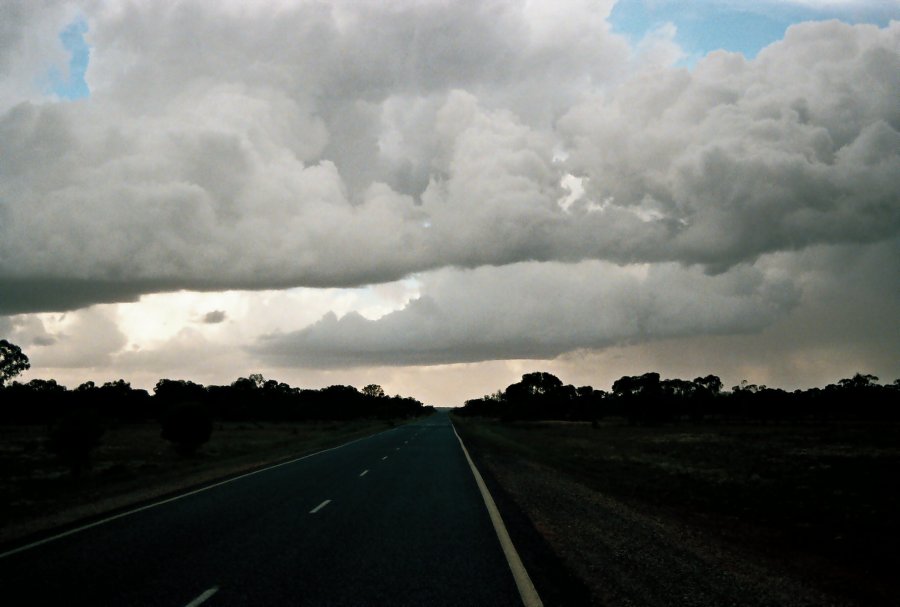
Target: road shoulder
(556, 584)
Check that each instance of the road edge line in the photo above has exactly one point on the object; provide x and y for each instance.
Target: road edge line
(527, 592)
(203, 597)
(109, 519)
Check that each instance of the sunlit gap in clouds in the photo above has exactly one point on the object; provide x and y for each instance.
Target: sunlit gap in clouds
(236, 316)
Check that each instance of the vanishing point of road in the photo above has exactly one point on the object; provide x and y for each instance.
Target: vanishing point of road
(391, 519)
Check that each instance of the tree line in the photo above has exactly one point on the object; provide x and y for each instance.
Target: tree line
(252, 398)
(648, 399)
(186, 411)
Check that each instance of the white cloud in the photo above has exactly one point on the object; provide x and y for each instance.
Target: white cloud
(307, 144)
(85, 339)
(740, 158)
(230, 153)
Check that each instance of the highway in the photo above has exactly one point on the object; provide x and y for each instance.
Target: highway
(392, 519)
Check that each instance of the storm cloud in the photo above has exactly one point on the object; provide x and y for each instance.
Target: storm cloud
(540, 310)
(214, 317)
(356, 143)
(543, 184)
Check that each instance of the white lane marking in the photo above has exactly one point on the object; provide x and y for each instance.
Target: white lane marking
(203, 597)
(384, 458)
(59, 536)
(405, 442)
(320, 506)
(363, 473)
(526, 588)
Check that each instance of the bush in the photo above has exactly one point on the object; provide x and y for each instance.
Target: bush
(75, 436)
(187, 425)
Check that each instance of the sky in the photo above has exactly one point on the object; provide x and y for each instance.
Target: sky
(441, 196)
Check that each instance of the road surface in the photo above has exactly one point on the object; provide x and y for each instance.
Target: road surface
(392, 519)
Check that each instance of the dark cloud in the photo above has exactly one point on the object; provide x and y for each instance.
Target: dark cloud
(19, 295)
(214, 317)
(539, 311)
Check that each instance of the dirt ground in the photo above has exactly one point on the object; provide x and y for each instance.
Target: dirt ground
(705, 515)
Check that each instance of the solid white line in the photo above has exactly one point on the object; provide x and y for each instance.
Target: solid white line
(320, 506)
(363, 473)
(177, 497)
(203, 597)
(526, 588)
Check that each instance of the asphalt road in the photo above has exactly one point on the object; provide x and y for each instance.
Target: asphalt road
(393, 519)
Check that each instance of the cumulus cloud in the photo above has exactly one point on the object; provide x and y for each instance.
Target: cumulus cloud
(30, 47)
(351, 143)
(85, 339)
(738, 158)
(540, 310)
(549, 187)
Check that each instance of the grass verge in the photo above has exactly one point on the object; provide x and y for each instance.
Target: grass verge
(708, 514)
(133, 465)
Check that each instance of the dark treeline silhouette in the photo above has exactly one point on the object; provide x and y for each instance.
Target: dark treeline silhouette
(647, 399)
(253, 398)
(77, 420)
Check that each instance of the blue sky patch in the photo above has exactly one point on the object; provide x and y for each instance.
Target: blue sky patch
(74, 86)
(709, 25)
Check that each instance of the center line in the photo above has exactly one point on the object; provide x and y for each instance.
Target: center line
(320, 506)
(203, 597)
(363, 473)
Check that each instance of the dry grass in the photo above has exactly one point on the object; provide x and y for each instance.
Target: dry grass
(134, 464)
(763, 514)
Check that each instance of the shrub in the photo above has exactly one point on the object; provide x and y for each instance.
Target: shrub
(75, 436)
(187, 425)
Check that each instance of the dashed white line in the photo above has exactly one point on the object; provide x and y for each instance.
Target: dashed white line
(384, 458)
(114, 517)
(203, 597)
(363, 473)
(320, 506)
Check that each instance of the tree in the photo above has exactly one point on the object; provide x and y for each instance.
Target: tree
(540, 383)
(373, 391)
(859, 381)
(12, 361)
(711, 383)
(538, 396)
(641, 397)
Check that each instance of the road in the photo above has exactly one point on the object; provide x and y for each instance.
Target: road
(392, 519)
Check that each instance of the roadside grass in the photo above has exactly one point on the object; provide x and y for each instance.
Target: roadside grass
(825, 490)
(134, 464)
